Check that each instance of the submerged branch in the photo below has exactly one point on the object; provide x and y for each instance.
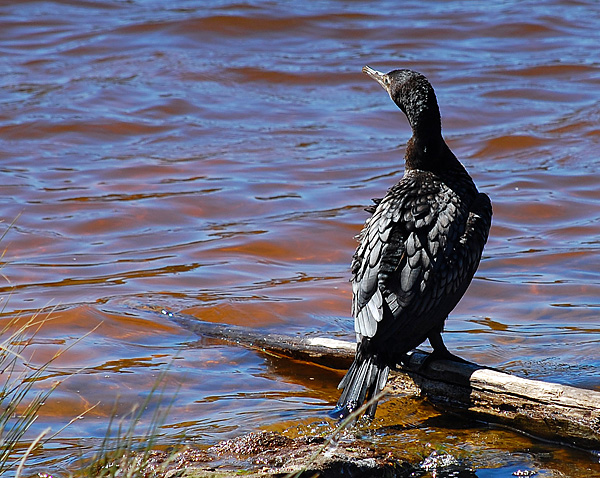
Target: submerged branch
(559, 413)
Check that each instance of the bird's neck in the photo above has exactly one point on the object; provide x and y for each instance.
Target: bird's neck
(427, 152)
(432, 154)
(426, 148)
(437, 158)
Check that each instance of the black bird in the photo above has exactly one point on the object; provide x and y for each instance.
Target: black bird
(418, 251)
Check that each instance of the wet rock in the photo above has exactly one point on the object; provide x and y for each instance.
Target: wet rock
(268, 454)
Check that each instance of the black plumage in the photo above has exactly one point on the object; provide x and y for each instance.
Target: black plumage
(418, 251)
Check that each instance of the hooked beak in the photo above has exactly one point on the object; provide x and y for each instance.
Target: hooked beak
(379, 77)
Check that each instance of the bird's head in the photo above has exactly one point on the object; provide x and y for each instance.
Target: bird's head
(412, 93)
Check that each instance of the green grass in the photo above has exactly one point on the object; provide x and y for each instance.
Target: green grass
(18, 377)
(129, 448)
(126, 453)
(17, 411)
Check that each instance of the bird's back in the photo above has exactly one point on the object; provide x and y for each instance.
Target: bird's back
(416, 257)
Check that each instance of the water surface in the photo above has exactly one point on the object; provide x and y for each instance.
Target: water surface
(215, 158)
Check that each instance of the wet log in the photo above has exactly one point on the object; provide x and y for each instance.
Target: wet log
(549, 411)
(332, 353)
(554, 412)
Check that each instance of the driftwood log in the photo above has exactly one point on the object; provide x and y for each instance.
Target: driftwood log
(549, 411)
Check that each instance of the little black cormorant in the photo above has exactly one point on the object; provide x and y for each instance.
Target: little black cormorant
(418, 251)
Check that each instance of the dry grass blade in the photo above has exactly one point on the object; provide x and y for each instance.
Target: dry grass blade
(16, 387)
(31, 447)
(18, 412)
(125, 453)
(347, 422)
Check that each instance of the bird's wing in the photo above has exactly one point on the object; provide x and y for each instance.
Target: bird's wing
(415, 232)
(367, 298)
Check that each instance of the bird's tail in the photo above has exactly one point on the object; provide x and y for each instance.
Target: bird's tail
(365, 378)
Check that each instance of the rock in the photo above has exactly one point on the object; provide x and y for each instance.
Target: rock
(268, 454)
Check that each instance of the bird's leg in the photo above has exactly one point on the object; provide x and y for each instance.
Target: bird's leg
(440, 351)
